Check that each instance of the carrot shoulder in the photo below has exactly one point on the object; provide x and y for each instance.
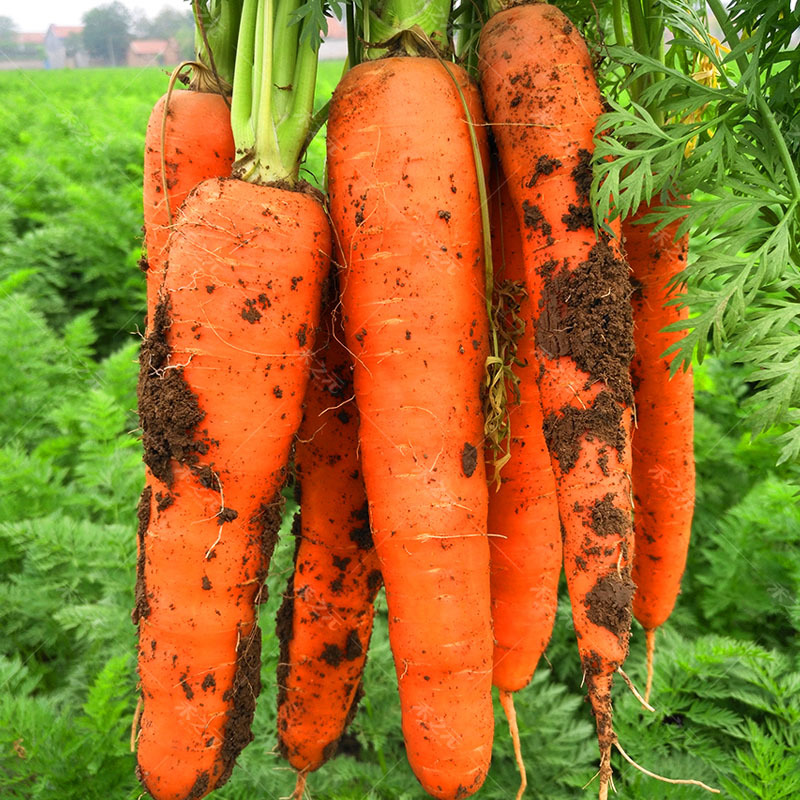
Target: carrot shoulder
(404, 204)
(223, 373)
(543, 103)
(325, 621)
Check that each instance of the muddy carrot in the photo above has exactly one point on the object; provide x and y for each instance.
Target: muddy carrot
(325, 622)
(542, 101)
(223, 374)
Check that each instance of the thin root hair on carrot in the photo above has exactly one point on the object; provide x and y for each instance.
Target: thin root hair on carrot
(677, 781)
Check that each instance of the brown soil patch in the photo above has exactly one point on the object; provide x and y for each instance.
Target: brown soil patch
(602, 421)
(608, 604)
(586, 314)
(246, 687)
(168, 409)
(469, 459)
(141, 607)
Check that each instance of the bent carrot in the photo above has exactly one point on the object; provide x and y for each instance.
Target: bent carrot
(404, 205)
(663, 458)
(325, 621)
(542, 101)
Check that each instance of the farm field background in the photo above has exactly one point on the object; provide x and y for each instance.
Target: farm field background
(727, 681)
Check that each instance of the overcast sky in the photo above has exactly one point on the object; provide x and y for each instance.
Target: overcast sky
(36, 15)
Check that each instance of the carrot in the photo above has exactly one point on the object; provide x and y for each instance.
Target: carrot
(542, 101)
(188, 139)
(224, 370)
(524, 526)
(404, 206)
(663, 458)
(325, 622)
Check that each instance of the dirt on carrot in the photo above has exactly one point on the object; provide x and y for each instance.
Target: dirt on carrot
(168, 408)
(608, 603)
(583, 316)
(141, 606)
(582, 175)
(246, 688)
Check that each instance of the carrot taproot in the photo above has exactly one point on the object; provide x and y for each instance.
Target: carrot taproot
(542, 101)
(663, 458)
(325, 621)
(188, 139)
(524, 525)
(223, 374)
(404, 206)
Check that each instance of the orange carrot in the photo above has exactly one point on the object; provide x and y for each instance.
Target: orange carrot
(223, 373)
(663, 458)
(193, 142)
(325, 622)
(524, 526)
(404, 205)
(542, 101)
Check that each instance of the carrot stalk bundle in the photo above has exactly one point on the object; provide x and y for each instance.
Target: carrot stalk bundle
(663, 459)
(404, 205)
(542, 101)
(325, 621)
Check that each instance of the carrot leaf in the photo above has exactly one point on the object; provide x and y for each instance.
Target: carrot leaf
(731, 147)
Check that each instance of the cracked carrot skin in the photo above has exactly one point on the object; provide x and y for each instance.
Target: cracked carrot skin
(220, 401)
(405, 210)
(524, 525)
(325, 622)
(663, 453)
(542, 100)
(197, 144)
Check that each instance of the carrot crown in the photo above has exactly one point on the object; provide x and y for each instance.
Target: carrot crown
(273, 89)
(404, 26)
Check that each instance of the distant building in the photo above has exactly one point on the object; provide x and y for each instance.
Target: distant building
(63, 47)
(153, 52)
(27, 52)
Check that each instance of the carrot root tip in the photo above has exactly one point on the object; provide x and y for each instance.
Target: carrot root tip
(507, 702)
(650, 639)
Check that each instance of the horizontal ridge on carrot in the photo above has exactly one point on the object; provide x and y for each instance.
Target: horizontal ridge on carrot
(542, 101)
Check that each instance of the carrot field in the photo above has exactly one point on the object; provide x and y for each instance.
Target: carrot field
(726, 690)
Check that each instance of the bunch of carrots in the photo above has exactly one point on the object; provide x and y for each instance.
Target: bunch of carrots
(439, 351)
